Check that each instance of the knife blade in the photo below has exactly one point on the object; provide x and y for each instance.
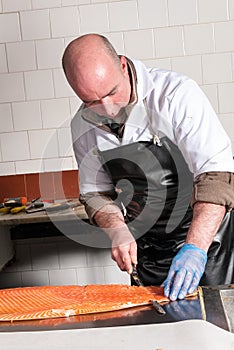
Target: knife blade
(139, 283)
(136, 277)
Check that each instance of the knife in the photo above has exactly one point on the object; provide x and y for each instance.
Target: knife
(139, 283)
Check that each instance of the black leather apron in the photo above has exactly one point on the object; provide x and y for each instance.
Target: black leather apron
(154, 184)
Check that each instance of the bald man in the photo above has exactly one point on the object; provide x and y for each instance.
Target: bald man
(155, 168)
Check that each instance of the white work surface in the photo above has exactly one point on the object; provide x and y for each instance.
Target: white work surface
(184, 335)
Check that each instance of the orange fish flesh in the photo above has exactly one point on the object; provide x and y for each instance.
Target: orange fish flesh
(31, 303)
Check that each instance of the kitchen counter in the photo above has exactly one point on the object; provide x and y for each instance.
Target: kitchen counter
(71, 213)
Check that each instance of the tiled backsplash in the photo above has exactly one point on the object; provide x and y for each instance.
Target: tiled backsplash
(51, 185)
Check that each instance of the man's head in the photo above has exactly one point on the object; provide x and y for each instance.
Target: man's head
(97, 74)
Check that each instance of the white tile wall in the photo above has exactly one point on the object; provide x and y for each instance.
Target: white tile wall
(93, 18)
(182, 12)
(211, 92)
(123, 16)
(55, 113)
(43, 143)
(65, 142)
(26, 115)
(57, 163)
(40, 4)
(152, 13)
(11, 151)
(71, 254)
(35, 278)
(169, 42)
(164, 63)
(9, 27)
(76, 2)
(197, 41)
(16, 5)
(60, 261)
(49, 53)
(217, 68)
(117, 40)
(12, 87)
(212, 11)
(64, 21)
(75, 103)
(194, 37)
(188, 65)
(228, 124)
(3, 59)
(7, 167)
(44, 255)
(25, 53)
(231, 9)
(63, 277)
(39, 84)
(61, 87)
(226, 101)
(90, 275)
(35, 24)
(223, 31)
(29, 166)
(139, 43)
(6, 121)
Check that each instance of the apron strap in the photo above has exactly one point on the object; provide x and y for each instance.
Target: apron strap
(156, 139)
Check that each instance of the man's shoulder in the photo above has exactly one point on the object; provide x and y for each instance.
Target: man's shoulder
(159, 80)
(79, 126)
(143, 68)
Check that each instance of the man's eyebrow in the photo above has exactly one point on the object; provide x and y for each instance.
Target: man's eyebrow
(109, 93)
(114, 88)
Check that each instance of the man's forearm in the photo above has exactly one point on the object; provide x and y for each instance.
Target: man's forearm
(111, 220)
(207, 218)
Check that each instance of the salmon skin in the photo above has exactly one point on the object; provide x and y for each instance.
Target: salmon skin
(31, 303)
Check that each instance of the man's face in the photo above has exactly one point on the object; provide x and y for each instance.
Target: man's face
(107, 91)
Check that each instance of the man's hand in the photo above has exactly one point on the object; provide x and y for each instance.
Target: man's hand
(185, 272)
(125, 255)
(124, 247)
(189, 264)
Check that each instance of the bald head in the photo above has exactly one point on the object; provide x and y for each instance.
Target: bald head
(87, 53)
(95, 71)
(86, 45)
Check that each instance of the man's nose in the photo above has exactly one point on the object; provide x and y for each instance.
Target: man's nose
(106, 105)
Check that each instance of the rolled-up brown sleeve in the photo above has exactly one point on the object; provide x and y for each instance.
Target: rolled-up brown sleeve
(95, 201)
(214, 187)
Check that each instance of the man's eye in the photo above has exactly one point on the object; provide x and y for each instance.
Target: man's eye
(88, 104)
(112, 93)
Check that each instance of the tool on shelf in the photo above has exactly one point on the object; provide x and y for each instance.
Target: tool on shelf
(46, 205)
(13, 205)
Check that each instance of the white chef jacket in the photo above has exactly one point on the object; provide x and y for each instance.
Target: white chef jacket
(177, 108)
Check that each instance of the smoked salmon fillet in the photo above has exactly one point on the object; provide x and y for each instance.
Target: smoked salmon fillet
(31, 303)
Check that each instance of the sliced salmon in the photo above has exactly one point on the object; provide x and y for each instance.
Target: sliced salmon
(31, 303)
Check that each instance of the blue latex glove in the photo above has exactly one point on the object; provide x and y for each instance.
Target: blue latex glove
(185, 272)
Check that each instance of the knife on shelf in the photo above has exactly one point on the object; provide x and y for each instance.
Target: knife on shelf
(139, 283)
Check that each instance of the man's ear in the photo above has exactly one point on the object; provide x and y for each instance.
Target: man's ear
(124, 65)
